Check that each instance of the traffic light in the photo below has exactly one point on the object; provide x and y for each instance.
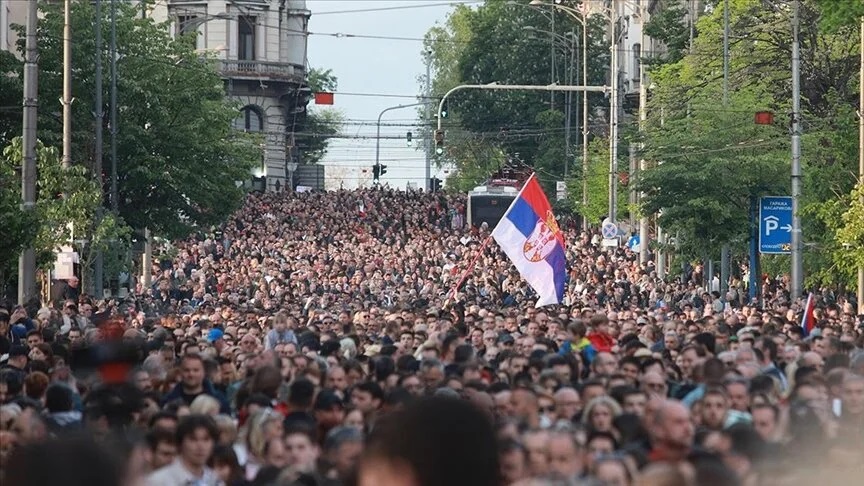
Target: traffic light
(439, 142)
(445, 109)
(408, 138)
(435, 184)
(378, 170)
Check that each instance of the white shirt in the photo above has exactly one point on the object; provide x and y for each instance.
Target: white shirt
(176, 474)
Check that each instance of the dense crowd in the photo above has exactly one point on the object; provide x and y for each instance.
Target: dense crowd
(316, 338)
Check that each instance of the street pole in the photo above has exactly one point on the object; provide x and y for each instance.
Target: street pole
(378, 136)
(552, 62)
(861, 156)
(797, 266)
(428, 117)
(724, 250)
(584, 120)
(67, 85)
(643, 165)
(147, 263)
(568, 124)
(613, 120)
(98, 264)
(494, 86)
(27, 260)
(113, 53)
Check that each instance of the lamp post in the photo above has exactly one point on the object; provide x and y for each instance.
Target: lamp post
(580, 15)
(568, 42)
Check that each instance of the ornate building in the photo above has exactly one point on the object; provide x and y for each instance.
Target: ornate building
(261, 47)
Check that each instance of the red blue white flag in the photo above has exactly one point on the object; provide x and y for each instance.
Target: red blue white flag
(529, 234)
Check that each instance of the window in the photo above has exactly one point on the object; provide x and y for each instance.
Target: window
(246, 38)
(637, 62)
(250, 120)
(186, 24)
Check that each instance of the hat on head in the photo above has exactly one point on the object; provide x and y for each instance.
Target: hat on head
(18, 350)
(327, 399)
(214, 335)
(642, 352)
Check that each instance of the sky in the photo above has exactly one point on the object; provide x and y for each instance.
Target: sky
(376, 67)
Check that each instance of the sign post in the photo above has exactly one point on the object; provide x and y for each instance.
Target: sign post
(775, 225)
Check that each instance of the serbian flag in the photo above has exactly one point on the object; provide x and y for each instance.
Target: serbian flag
(529, 235)
(808, 320)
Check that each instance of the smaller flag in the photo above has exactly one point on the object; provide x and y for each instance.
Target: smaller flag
(808, 320)
(323, 98)
(529, 235)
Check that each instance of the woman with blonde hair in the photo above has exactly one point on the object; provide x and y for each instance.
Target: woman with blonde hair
(263, 426)
(204, 405)
(599, 414)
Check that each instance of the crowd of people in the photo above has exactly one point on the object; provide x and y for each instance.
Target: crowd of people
(317, 338)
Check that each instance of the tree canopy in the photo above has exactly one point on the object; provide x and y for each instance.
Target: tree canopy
(723, 157)
(178, 160)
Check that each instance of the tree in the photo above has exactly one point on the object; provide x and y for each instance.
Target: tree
(321, 124)
(669, 27)
(686, 93)
(178, 160)
(66, 205)
(504, 42)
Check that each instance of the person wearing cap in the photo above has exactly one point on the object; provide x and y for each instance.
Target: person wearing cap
(17, 359)
(329, 411)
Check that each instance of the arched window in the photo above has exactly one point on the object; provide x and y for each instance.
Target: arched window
(250, 119)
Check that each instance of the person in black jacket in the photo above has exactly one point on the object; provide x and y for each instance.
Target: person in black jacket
(194, 383)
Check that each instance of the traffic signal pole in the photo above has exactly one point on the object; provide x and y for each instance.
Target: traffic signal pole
(378, 136)
(516, 87)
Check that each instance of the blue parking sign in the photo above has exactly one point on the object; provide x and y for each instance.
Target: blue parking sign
(775, 225)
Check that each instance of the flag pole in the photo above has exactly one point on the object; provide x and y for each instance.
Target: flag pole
(468, 270)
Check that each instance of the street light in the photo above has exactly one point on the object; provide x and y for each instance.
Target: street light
(581, 16)
(568, 42)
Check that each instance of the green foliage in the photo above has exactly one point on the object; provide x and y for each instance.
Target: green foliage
(177, 157)
(851, 234)
(670, 28)
(597, 178)
(714, 157)
(837, 14)
(321, 123)
(506, 43)
(66, 206)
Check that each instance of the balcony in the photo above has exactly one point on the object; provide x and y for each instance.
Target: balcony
(263, 70)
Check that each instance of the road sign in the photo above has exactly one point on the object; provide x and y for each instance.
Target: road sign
(609, 230)
(775, 225)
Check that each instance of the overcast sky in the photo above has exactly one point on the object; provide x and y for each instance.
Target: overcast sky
(376, 67)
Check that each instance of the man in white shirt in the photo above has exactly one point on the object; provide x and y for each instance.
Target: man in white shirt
(196, 436)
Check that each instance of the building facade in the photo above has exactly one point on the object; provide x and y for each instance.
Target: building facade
(261, 48)
(12, 12)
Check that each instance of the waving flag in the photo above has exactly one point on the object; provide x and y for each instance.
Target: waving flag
(808, 320)
(529, 235)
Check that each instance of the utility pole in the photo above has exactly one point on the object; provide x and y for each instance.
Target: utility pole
(797, 266)
(584, 119)
(568, 108)
(861, 156)
(552, 62)
(67, 85)
(428, 116)
(99, 262)
(147, 261)
(27, 261)
(613, 119)
(643, 165)
(113, 121)
(724, 250)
